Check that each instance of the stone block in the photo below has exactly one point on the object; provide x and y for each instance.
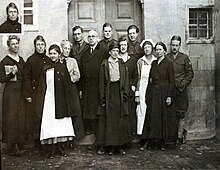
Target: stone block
(203, 78)
(201, 93)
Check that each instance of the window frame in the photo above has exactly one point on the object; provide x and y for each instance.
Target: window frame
(34, 8)
(200, 40)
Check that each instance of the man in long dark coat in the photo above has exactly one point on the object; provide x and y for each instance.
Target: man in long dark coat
(91, 60)
(32, 71)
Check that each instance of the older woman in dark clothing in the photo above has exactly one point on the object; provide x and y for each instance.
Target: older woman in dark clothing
(114, 129)
(161, 121)
(11, 25)
(32, 70)
(13, 109)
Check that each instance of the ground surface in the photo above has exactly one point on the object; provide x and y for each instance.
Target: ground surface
(203, 154)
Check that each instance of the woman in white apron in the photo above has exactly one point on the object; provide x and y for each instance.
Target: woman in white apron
(56, 123)
(144, 66)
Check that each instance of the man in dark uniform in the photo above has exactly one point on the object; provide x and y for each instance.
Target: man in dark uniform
(90, 63)
(134, 48)
(107, 33)
(183, 72)
(78, 43)
(32, 71)
(11, 25)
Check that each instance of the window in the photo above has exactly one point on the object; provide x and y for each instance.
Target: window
(28, 12)
(30, 15)
(200, 25)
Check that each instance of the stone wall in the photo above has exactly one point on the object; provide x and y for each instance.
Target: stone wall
(162, 20)
(217, 62)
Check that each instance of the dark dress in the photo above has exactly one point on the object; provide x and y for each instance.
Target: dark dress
(114, 128)
(32, 71)
(13, 107)
(131, 64)
(10, 26)
(160, 121)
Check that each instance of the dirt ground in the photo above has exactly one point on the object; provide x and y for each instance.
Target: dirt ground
(202, 154)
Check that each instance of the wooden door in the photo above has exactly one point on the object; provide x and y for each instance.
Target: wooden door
(92, 14)
(121, 14)
(89, 14)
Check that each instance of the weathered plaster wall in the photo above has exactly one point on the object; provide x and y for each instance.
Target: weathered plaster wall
(217, 62)
(162, 20)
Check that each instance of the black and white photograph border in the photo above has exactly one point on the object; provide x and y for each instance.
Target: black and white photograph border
(158, 21)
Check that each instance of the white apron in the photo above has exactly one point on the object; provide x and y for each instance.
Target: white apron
(142, 107)
(50, 126)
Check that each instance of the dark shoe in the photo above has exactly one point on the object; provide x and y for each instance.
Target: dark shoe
(16, 151)
(144, 146)
(184, 136)
(52, 152)
(162, 148)
(162, 145)
(61, 151)
(122, 152)
(101, 151)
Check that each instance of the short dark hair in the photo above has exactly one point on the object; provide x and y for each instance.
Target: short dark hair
(149, 43)
(133, 27)
(76, 28)
(10, 37)
(55, 47)
(176, 37)
(162, 44)
(11, 5)
(39, 37)
(123, 38)
(106, 25)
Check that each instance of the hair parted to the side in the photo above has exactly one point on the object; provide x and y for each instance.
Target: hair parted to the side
(55, 47)
(10, 37)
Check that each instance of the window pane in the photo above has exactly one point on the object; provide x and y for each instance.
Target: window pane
(28, 19)
(28, 12)
(200, 23)
(192, 21)
(203, 33)
(193, 33)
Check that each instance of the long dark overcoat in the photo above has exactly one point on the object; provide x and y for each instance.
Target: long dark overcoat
(114, 128)
(89, 82)
(131, 64)
(32, 71)
(161, 120)
(13, 107)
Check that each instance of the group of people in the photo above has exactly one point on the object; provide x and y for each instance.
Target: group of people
(114, 89)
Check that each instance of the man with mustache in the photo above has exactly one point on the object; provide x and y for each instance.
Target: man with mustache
(183, 73)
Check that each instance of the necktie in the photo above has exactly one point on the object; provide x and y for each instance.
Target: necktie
(91, 50)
